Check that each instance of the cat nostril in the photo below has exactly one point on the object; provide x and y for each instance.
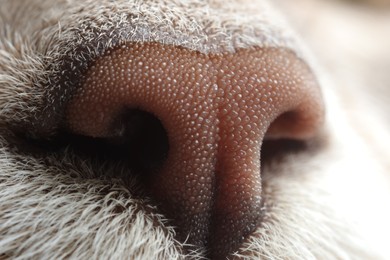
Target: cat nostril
(215, 111)
(140, 138)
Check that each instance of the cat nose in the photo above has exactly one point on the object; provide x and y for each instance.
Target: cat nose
(216, 110)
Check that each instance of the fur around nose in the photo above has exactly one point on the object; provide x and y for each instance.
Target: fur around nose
(216, 110)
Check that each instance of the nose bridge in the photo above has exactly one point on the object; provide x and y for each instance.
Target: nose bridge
(185, 186)
(242, 124)
(215, 154)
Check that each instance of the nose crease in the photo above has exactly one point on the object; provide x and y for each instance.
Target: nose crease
(216, 109)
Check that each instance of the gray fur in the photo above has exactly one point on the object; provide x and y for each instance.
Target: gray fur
(58, 205)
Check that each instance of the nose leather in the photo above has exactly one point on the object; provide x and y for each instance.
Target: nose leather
(216, 109)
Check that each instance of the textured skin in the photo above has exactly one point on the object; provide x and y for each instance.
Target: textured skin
(72, 184)
(216, 111)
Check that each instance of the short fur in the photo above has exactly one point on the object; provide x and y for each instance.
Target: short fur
(329, 201)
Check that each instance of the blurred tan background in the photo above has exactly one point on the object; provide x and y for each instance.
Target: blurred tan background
(351, 40)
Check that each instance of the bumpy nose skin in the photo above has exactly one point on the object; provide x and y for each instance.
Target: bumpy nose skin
(216, 109)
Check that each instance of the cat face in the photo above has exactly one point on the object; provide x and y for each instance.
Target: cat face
(169, 129)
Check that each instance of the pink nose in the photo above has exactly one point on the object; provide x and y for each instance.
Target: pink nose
(216, 110)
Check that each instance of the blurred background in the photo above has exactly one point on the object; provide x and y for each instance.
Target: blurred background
(351, 40)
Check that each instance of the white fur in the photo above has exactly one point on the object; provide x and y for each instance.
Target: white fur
(325, 204)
